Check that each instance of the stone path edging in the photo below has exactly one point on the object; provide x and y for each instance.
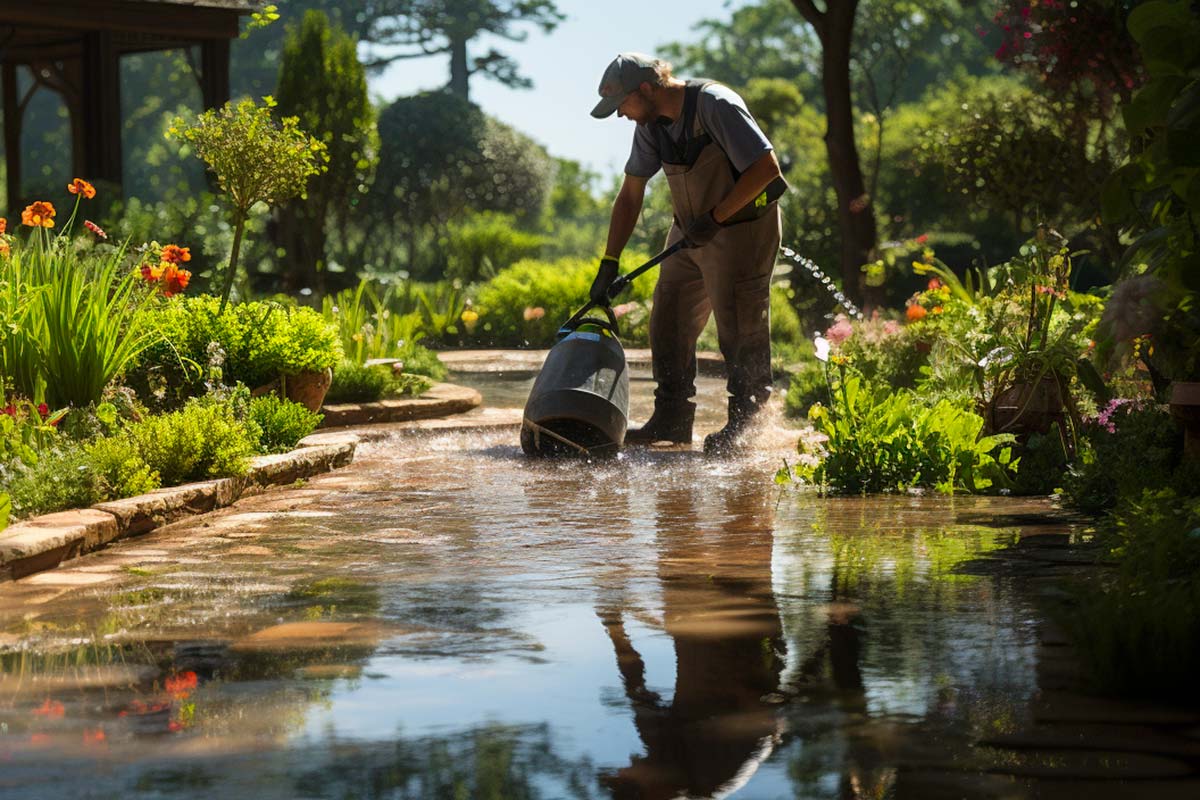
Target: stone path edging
(530, 361)
(44, 542)
(443, 399)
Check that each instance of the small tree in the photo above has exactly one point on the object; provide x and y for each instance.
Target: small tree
(255, 158)
(323, 84)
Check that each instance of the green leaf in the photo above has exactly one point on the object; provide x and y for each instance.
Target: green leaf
(5, 510)
(1148, 17)
(1150, 105)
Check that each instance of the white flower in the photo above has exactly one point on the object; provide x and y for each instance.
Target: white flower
(822, 345)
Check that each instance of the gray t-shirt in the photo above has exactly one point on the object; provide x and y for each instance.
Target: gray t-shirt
(723, 115)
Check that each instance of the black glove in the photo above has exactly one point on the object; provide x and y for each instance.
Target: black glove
(605, 275)
(701, 231)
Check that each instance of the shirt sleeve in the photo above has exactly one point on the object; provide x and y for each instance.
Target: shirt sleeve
(723, 114)
(643, 161)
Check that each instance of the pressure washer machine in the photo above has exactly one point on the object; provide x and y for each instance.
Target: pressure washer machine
(579, 404)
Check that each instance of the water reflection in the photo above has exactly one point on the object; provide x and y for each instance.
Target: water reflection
(720, 612)
(460, 622)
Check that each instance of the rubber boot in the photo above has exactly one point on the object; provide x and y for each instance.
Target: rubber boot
(669, 423)
(730, 439)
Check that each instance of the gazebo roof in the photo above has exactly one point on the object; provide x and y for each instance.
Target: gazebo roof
(39, 31)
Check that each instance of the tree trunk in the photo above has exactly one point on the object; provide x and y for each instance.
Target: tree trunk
(459, 73)
(856, 214)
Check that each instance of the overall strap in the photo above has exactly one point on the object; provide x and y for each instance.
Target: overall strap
(693, 140)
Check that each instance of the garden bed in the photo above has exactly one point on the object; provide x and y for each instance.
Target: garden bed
(44, 542)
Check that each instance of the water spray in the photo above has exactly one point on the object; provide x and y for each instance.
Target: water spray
(823, 279)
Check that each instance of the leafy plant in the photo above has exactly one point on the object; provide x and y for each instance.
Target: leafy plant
(1139, 632)
(881, 440)
(120, 470)
(203, 440)
(282, 422)
(361, 383)
(60, 479)
(255, 159)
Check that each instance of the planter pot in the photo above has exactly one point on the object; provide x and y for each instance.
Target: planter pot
(308, 388)
(1185, 407)
(1027, 408)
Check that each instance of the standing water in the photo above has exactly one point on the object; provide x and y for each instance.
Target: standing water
(447, 618)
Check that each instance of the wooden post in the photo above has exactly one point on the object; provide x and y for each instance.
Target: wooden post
(214, 72)
(101, 108)
(12, 136)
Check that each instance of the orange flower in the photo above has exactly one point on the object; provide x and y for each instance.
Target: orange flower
(174, 280)
(938, 309)
(39, 214)
(915, 313)
(5, 250)
(80, 186)
(152, 273)
(3, 225)
(174, 254)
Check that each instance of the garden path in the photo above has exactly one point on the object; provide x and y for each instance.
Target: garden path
(447, 615)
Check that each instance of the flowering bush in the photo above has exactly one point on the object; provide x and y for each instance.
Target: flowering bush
(72, 315)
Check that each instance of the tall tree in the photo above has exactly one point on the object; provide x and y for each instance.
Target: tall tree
(421, 28)
(322, 82)
(834, 27)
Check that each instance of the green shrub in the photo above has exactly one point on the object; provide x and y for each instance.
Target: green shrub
(282, 423)
(357, 383)
(1139, 632)
(250, 343)
(360, 383)
(486, 243)
(883, 440)
(203, 440)
(120, 470)
(525, 304)
(60, 479)
(1127, 449)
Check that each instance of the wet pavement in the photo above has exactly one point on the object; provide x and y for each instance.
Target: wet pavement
(447, 619)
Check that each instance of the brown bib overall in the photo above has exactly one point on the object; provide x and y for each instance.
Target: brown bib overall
(730, 277)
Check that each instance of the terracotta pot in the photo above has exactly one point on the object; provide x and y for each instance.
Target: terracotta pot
(308, 388)
(1027, 408)
(1185, 407)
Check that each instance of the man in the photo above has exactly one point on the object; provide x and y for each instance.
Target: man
(724, 181)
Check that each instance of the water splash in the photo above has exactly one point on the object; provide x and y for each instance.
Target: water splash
(823, 279)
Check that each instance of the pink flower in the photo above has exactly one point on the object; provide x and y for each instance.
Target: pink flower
(840, 330)
(623, 309)
(891, 327)
(534, 313)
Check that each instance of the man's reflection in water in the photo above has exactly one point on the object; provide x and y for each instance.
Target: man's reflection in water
(719, 608)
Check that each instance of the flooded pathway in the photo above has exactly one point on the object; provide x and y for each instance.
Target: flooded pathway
(448, 619)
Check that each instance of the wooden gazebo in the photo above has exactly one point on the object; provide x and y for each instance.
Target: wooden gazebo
(73, 48)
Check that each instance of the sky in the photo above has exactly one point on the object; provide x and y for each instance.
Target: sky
(565, 67)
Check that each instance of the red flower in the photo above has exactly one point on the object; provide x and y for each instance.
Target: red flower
(44, 410)
(50, 708)
(182, 684)
(94, 228)
(923, 238)
(10, 409)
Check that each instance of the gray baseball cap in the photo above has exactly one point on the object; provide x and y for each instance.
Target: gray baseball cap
(624, 75)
